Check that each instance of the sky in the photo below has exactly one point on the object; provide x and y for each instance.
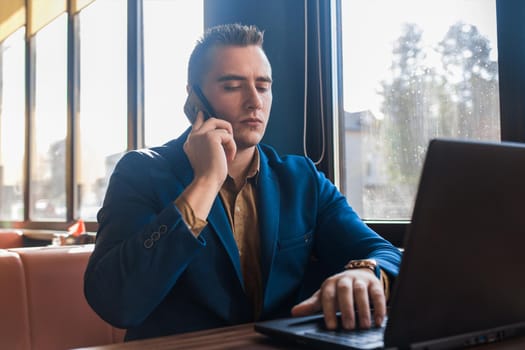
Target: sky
(370, 28)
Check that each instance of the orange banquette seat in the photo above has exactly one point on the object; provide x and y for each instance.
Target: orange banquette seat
(42, 304)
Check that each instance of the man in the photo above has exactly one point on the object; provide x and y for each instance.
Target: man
(214, 229)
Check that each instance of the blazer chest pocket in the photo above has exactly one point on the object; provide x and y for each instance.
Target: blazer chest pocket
(295, 242)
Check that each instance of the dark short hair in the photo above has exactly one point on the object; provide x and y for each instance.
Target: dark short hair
(222, 35)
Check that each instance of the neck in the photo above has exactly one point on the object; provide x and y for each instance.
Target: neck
(238, 167)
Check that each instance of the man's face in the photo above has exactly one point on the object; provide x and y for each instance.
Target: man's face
(239, 87)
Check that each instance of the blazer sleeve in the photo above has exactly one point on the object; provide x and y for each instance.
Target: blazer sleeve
(342, 236)
(143, 245)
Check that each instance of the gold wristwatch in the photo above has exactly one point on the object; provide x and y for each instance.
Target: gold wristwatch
(370, 264)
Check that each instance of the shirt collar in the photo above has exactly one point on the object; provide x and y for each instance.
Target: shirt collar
(253, 170)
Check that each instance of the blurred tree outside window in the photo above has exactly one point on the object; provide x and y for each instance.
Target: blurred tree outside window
(409, 78)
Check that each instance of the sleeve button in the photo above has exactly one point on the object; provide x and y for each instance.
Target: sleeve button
(148, 243)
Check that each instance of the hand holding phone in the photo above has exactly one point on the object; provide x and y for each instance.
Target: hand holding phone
(196, 102)
(210, 146)
(201, 148)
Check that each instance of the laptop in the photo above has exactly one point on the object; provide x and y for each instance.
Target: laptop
(461, 278)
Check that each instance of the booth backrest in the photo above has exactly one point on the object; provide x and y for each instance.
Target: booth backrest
(11, 239)
(14, 322)
(57, 316)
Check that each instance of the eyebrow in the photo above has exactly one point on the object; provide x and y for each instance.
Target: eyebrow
(230, 77)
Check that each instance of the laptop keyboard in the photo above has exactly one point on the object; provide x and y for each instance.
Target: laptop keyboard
(361, 338)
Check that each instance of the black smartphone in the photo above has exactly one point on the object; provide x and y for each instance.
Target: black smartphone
(196, 102)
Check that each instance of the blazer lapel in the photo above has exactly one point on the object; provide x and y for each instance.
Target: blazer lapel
(269, 210)
(221, 225)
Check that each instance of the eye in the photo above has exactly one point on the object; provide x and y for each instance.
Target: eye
(263, 88)
(231, 87)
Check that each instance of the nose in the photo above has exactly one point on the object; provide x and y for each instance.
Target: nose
(253, 98)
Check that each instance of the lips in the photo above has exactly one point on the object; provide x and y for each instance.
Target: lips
(252, 121)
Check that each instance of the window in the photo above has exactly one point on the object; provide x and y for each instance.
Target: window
(412, 71)
(171, 29)
(12, 126)
(103, 114)
(67, 181)
(47, 191)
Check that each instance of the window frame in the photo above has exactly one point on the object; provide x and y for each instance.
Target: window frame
(135, 113)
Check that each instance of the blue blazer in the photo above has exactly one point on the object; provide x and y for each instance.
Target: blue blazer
(149, 274)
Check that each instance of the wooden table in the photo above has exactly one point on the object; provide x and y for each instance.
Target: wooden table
(236, 337)
(242, 337)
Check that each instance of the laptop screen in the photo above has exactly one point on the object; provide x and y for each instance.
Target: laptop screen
(464, 247)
